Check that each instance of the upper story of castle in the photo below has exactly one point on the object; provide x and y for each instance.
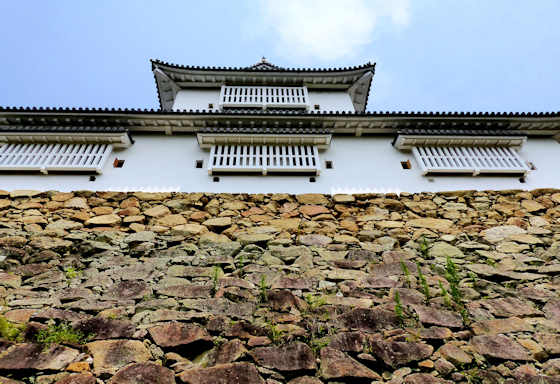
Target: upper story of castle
(262, 86)
(265, 129)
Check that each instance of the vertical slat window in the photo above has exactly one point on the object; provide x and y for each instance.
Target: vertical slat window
(54, 157)
(473, 160)
(264, 97)
(264, 158)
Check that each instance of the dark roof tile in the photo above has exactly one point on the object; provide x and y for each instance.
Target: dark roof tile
(62, 129)
(461, 132)
(274, 112)
(259, 68)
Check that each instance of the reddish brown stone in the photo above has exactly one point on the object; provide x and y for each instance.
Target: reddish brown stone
(187, 291)
(173, 334)
(510, 306)
(19, 315)
(235, 373)
(348, 341)
(396, 353)
(305, 380)
(552, 367)
(59, 314)
(337, 365)
(143, 373)
(443, 366)
(111, 355)
(282, 300)
(424, 378)
(129, 289)
(497, 326)
(369, 320)
(552, 309)
(315, 240)
(435, 333)
(229, 352)
(391, 269)
(295, 356)
(378, 282)
(313, 210)
(28, 270)
(244, 329)
(500, 347)
(35, 356)
(284, 282)
(77, 379)
(5, 380)
(550, 342)
(454, 354)
(252, 211)
(430, 315)
(103, 328)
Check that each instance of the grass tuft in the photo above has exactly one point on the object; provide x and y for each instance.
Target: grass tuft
(263, 290)
(399, 310)
(423, 282)
(424, 248)
(61, 333)
(10, 331)
(406, 273)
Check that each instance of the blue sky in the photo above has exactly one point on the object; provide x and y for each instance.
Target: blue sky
(443, 55)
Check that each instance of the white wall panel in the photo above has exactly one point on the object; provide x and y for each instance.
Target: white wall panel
(200, 98)
(330, 100)
(196, 99)
(361, 164)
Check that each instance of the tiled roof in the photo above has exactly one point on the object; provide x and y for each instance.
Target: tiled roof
(264, 65)
(460, 132)
(272, 112)
(259, 68)
(61, 129)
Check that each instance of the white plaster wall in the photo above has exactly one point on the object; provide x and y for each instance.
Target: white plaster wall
(331, 100)
(196, 99)
(200, 98)
(361, 164)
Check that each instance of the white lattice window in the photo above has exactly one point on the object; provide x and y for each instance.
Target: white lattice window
(54, 157)
(264, 97)
(473, 160)
(264, 158)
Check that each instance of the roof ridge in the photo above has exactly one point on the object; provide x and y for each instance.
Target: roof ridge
(264, 65)
(281, 112)
(259, 67)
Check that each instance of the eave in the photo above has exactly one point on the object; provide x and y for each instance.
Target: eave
(368, 123)
(410, 141)
(117, 139)
(206, 140)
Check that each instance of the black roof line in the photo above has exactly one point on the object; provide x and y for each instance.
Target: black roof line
(156, 62)
(272, 112)
(63, 128)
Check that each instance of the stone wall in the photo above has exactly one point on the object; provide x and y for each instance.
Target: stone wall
(199, 288)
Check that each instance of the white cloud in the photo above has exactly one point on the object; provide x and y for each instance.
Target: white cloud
(328, 29)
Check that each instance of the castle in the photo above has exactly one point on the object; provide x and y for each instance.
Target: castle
(263, 129)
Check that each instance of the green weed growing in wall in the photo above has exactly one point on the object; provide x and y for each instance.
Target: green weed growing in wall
(263, 290)
(423, 282)
(399, 311)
